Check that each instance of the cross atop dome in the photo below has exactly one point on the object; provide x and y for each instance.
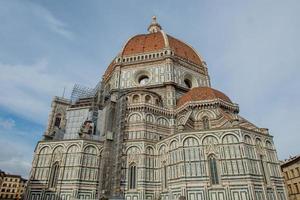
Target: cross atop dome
(154, 26)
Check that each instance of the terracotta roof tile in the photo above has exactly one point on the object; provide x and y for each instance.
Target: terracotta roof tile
(201, 94)
(152, 42)
(109, 70)
(144, 43)
(183, 50)
(155, 41)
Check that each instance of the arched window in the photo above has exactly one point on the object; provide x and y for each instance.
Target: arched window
(164, 175)
(148, 99)
(162, 121)
(205, 122)
(210, 140)
(71, 165)
(213, 170)
(263, 169)
(192, 158)
(150, 164)
(132, 176)
(90, 163)
(135, 118)
(135, 98)
(57, 120)
(54, 175)
(149, 118)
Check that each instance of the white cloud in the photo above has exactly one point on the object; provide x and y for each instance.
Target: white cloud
(7, 123)
(27, 89)
(22, 15)
(15, 157)
(53, 23)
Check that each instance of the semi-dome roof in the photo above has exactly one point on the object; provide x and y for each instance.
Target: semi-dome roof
(202, 94)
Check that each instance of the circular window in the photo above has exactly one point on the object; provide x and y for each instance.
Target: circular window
(188, 83)
(143, 79)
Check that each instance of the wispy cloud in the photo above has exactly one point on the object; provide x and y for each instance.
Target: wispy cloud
(17, 161)
(27, 89)
(7, 123)
(52, 22)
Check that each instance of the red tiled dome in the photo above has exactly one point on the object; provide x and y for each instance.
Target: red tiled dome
(156, 40)
(201, 94)
(144, 43)
(152, 42)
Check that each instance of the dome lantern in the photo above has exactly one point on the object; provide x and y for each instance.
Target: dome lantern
(154, 26)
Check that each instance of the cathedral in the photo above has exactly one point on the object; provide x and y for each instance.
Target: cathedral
(153, 128)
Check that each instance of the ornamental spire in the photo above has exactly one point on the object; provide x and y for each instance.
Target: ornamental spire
(154, 26)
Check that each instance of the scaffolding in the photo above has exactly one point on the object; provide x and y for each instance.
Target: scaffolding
(80, 91)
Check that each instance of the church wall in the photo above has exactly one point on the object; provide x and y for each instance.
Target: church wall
(185, 155)
(152, 148)
(79, 162)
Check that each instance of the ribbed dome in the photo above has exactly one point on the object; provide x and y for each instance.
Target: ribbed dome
(202, 94)
(156, 41)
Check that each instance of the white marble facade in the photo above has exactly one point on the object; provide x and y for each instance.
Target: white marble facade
(155, 129)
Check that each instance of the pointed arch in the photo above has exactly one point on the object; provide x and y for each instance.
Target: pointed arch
(150, 118)
(230, 138)
(44, 150)
(58, 149)
(133, 150)
(200, 114)
(258, 141)
(162, 149)
(163, 121)
(190, 141)
(210, 139)
(173, 144)
(149, 150)
(135, 117)
(247, 139)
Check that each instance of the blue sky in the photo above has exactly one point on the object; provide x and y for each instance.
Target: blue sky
(251, 48)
